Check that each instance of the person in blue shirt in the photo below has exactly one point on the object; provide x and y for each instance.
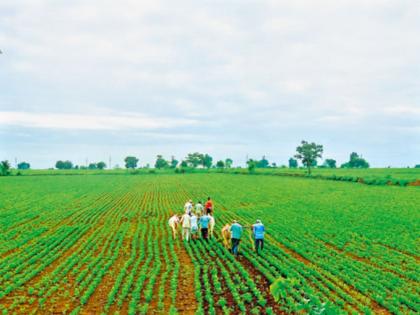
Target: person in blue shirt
(204, 224)
(236, 231)
(258, 231)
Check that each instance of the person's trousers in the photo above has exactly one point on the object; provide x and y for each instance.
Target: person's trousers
(259, 244)
(186, 234)
(235, 246)
(204, 233)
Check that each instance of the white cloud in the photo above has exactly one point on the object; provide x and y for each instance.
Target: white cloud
(90, 122)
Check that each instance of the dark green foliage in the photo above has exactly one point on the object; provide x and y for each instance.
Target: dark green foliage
(263, 163)
(161, 162)
(308, 153)
(23, 166)
(355, 161)
(228, 162)
(63, 165)
(4, 168)
(331, 163)
(293, 163)
(131, 162)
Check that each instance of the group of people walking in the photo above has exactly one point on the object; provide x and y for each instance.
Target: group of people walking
(198, 219)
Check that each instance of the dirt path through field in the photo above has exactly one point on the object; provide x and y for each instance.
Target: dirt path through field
(186, 302)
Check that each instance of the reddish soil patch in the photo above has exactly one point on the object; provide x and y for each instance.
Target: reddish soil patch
(186, 302)
(262, 284)
(415, 183)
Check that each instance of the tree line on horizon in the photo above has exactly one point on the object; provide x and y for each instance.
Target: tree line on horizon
(307, 153)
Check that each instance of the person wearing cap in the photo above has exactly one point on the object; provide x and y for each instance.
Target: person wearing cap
(236, 231)
(258, 231)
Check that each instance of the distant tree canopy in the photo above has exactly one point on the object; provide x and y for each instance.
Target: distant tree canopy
(174, 162)
(4, 168)
(228, 162)
(417, 166)
(161, 162)
(293, 163)
(207, 161)
(63, 165)
(356, 161)
(101, 165)
(195, 159)
(220, 164)
(92, 166)
(252, 164)
(263, 163)
(330, 163)
(131, 162)
(308, 153)
(23, 166)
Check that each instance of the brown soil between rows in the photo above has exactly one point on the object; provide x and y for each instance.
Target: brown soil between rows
(186, 302)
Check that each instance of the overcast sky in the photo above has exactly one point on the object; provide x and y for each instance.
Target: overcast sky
(92, 79)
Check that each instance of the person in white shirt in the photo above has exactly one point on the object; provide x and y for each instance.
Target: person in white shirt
(188, 207)
(186, 226)
(173, 223)
(211, 225)
(199, 208)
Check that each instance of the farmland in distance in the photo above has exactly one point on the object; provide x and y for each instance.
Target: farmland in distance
(87, 244)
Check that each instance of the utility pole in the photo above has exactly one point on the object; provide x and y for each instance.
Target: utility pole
(87, 162)
(109, 165)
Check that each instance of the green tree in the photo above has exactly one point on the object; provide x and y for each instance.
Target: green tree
(417, 166)
(263, 163)
(207, 161)
(64, 165)
(131, 162)
(4, 168)
(184, 164)
(101, 165)
(194, 159)
(174, 162)
(252, 164)
(308, 153)
(92, 166)
(293, 163)
(355, 161)
(330, 163)
(220, 164)
(23, 166)
(228, 162)
(160, 162)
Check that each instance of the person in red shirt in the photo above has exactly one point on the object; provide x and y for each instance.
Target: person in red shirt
(209, 206)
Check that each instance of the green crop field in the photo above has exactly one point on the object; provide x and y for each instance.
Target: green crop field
(87, 244)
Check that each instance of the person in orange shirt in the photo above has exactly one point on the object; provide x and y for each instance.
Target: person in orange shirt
(209, 206)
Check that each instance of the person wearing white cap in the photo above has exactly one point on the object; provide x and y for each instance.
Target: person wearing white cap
(258, 231)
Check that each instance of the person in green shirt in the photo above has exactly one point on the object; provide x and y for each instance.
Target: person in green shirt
(236, 231)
